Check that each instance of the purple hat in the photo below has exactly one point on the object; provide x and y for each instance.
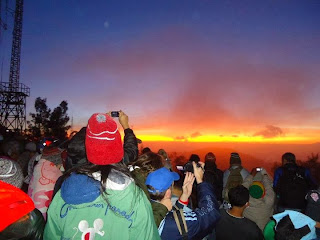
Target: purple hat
(161, 180)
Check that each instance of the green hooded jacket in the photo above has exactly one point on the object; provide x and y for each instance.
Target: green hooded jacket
(79, 211)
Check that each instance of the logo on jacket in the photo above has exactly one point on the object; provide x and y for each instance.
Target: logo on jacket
(89, 233)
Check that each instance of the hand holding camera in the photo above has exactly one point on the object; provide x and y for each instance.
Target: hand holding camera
(198, 171)
(123, 118)
(187, 186)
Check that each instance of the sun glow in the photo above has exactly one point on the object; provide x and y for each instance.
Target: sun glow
(219, 138)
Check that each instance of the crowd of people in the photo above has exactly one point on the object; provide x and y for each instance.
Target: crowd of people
(97, 185)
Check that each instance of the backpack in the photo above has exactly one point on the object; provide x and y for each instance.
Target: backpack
(292, 188)
(234, 179)
(313, 205)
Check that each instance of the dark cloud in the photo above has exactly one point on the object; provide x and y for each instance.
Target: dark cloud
(195, 134)
(270, 132)
(235, 136)
(180, 138)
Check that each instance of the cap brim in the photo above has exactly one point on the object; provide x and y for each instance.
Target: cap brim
(175, 176)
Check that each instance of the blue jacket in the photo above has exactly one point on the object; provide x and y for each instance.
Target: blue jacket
(200, 222)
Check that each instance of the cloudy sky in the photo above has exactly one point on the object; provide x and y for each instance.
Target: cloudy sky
(182, 70)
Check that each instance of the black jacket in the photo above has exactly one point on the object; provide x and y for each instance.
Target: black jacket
(26, 228)
(130, 146)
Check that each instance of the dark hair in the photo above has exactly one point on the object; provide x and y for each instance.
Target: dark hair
(157, 196)
(77, 150)
(90, 168)
(285, 230)
(145, 150)
(210, 162)
(194, 158)
(238, 196)
(290, 157)
(149, 162)
(210, 157)
(163, 153)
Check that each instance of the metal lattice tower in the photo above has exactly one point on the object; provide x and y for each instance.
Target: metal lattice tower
(13, 94)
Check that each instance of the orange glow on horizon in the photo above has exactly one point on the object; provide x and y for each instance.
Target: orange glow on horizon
(295, 136)
(215, 138)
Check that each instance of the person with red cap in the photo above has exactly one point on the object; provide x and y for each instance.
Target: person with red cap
(99, 200)
(19, 218)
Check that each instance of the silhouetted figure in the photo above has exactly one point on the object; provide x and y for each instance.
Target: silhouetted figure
(213, 175)
(291, 184)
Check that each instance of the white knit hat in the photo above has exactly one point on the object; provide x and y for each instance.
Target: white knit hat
(10, 172)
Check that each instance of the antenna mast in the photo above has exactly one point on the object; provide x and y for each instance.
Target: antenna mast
(13, 94)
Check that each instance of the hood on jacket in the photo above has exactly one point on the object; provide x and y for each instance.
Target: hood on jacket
(79, 188)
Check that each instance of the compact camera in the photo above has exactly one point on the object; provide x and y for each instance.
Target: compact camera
(114, 114)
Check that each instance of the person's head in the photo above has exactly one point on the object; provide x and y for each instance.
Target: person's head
(288, 157)
(210, 157)
(210, 161)
(76, 151)
(235, 159)
(257, 190)
(31, 147)
(53, 153)
(104, 150)
(11, 172)
(145, 150)
(194, 158)
(239, 196)
(12, 149)
(163, 154)
(14, 205)
(103, 140)
(149, 162)
(159, 183)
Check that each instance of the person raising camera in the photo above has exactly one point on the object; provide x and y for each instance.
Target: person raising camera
(262, 197)
(198, 223)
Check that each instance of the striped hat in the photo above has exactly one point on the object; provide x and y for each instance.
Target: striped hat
(257, 190)
(103, 140)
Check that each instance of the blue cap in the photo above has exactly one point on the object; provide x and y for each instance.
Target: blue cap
(161, 179)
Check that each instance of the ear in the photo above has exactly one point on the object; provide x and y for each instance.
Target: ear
(168, 193)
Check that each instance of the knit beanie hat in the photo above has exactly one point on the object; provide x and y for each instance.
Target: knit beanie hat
(31, 146)
(235, 158)
(11, 172)
(14, 204)
(257, 190)
(103, 140)
(52, 154)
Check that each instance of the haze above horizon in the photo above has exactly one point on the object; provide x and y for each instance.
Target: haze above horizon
(201, 71)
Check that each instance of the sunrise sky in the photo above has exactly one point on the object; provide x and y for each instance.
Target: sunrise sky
(201, 70)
